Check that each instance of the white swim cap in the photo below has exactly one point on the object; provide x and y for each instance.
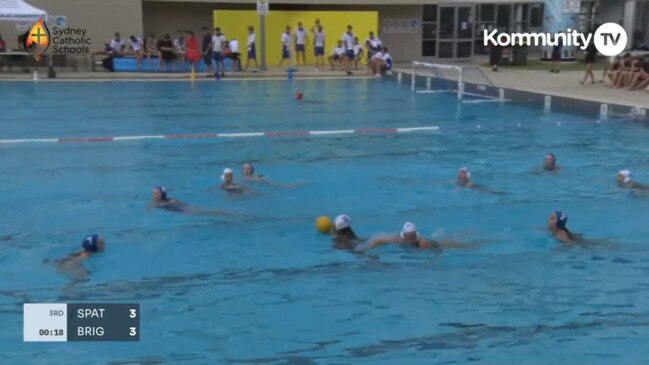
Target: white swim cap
(626, 174)
(226, 170)
(342, 221)
(466, 169)
(408, 228)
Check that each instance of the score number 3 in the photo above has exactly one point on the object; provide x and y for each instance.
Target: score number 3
(133, 330)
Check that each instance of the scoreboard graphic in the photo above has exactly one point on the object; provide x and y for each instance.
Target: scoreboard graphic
(55, 322)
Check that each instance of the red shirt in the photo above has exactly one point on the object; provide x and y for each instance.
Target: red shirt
(192, 50)
(2, 46)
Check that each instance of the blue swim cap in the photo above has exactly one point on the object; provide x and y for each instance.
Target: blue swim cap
(562, 219)
(90, 243)
(163, 192)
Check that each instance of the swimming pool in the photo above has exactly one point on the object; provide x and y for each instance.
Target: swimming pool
(265, 287)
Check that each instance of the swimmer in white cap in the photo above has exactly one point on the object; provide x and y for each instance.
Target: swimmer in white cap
(228, 183)
(343, 234)
(410, 237)
(624, 181)
(464, 181)
(464, 177)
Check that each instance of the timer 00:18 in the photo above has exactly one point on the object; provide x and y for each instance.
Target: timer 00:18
(57, 332)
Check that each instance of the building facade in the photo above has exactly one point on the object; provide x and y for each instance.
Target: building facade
(413, 29)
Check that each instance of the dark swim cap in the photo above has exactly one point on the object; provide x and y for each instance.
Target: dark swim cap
(90, 243)
(554, 159)
(163, 192)
(562, 219)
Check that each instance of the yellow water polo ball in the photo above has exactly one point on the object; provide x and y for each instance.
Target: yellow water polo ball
(323, 224)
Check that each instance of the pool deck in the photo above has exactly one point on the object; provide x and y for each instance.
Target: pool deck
(566, 84)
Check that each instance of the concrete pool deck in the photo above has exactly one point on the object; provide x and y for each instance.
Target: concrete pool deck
(541, 82)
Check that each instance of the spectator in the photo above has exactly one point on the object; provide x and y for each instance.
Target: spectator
(251, 48)
(136, 47)
(319, 43)
(235, 55)
(337, 54)
(151, 46)
(207, 50)
(556, 54)
(167, 54)
(117, 46)
(218, 43)
(300, 43)
(373, 42)
(358, 52)
(113, 49)
(179, 48)
(590, 58)
(192, 51)
(375, 63)
(286, 45)
(495, 55)
(3, 45)
(348, 40)
(641, 78)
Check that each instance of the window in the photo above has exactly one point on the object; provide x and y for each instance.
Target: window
(536, 16)
(504, 18)
(429, 31)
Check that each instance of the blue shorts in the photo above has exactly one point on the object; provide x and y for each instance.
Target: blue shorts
(252, 53)
(217, 56)
(285, 53)
(299, 48)
(319, 51)
(350, 54)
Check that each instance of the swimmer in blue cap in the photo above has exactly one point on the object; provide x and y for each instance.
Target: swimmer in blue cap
(410, 237)
(71, 264)
(90, 245)
(162, 201)
(557, 226)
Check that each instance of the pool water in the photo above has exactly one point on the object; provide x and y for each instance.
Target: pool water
(263, 287)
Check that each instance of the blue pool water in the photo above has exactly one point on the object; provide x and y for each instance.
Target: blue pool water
(263, 287)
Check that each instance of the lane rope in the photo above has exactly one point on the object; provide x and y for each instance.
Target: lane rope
(221, 135)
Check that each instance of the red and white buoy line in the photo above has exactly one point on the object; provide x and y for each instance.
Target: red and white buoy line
(221, 135)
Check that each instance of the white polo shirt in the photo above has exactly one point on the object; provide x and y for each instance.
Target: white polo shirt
(320, 39)
(234, 46)
(137, 45)
(217, 42)
(339, 51)
(251, 40)
(286, 40)
(116, 44)
(300, 36)
(378, 56)
(349, 41)
(374, 42)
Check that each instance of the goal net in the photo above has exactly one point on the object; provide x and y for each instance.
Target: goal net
(469, 83)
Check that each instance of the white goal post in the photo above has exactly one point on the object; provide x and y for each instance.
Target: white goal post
(444, 78)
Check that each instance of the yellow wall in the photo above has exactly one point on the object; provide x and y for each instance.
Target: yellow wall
(234, 24)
